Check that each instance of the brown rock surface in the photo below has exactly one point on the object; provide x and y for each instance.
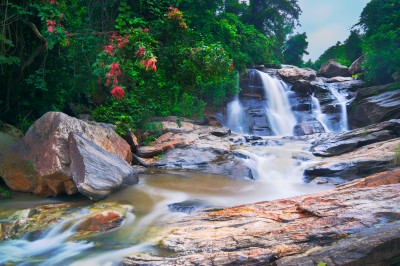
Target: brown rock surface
(364, 161)
(333, 69)
(39, 163)
(293, 74)
(104, 216)
(303, 230)
(355, 67)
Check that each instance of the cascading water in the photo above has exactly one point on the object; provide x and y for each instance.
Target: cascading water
(279, 113)
(341, 98)
(236, 116)
(317, 113)
(277, 166)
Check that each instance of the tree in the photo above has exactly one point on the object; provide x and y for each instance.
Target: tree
(381, 21)
(353, 46)
(274, 18)
(295, 48)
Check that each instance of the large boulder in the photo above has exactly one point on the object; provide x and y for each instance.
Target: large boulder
(354, 224)
(95, 171)
(332, 69)
(356, 66)
(41, 162)
(380, 104)
(293, 74)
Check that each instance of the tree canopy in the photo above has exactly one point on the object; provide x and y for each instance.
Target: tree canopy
(125, 61)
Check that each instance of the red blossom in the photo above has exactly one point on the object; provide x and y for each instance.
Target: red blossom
(50, 28)
(118, 92)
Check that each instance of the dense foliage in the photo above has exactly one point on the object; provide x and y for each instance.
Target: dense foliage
(124, 61)
(381, 21)
(344, 53)
(295, 48)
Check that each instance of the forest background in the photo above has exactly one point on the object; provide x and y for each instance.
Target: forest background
(126, 61)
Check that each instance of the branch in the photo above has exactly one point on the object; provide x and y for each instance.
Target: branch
(36, 31)
(29, 61)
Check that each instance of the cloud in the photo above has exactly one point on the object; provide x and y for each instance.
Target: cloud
(326, 22)
(324, 38)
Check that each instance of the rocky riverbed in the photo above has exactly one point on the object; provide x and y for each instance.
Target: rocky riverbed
(180, 191)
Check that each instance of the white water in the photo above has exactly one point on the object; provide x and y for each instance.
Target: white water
(236, 117)
(279, 113)
(51, 248)
(344, 125)
(317, 112)
(277, 171)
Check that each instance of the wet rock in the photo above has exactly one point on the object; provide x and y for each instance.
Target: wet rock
(156, 149)
(356, 66)
(378, 245)
(339, 79)
(259, 123)
(339, 143)
(136, 160)
(174, 127)
(364, 161)
(251, 84)
(187, 206)
(308, 127)
(220, 131)
(333, 69)
(184, 157)
(302, 86)
(294, 74)
(230, 165)
(131, 139)
(40, 162)
(102, 222)
(100, 217)
(374, 109)
(330, 226)
(96, 172)
(211, 119)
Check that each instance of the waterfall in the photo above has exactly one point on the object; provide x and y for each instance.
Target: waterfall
(317, 112)
(236, 116)
(344, 125)
(279, 113)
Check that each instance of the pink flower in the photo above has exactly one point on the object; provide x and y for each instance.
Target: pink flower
(118, 92)
(51, 28)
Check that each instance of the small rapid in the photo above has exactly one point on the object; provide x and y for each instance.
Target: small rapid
(277, 171)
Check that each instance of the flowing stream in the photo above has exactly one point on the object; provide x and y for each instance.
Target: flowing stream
(162, 196)
(278, 172)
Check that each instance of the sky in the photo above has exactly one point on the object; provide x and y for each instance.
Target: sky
(326, 22)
